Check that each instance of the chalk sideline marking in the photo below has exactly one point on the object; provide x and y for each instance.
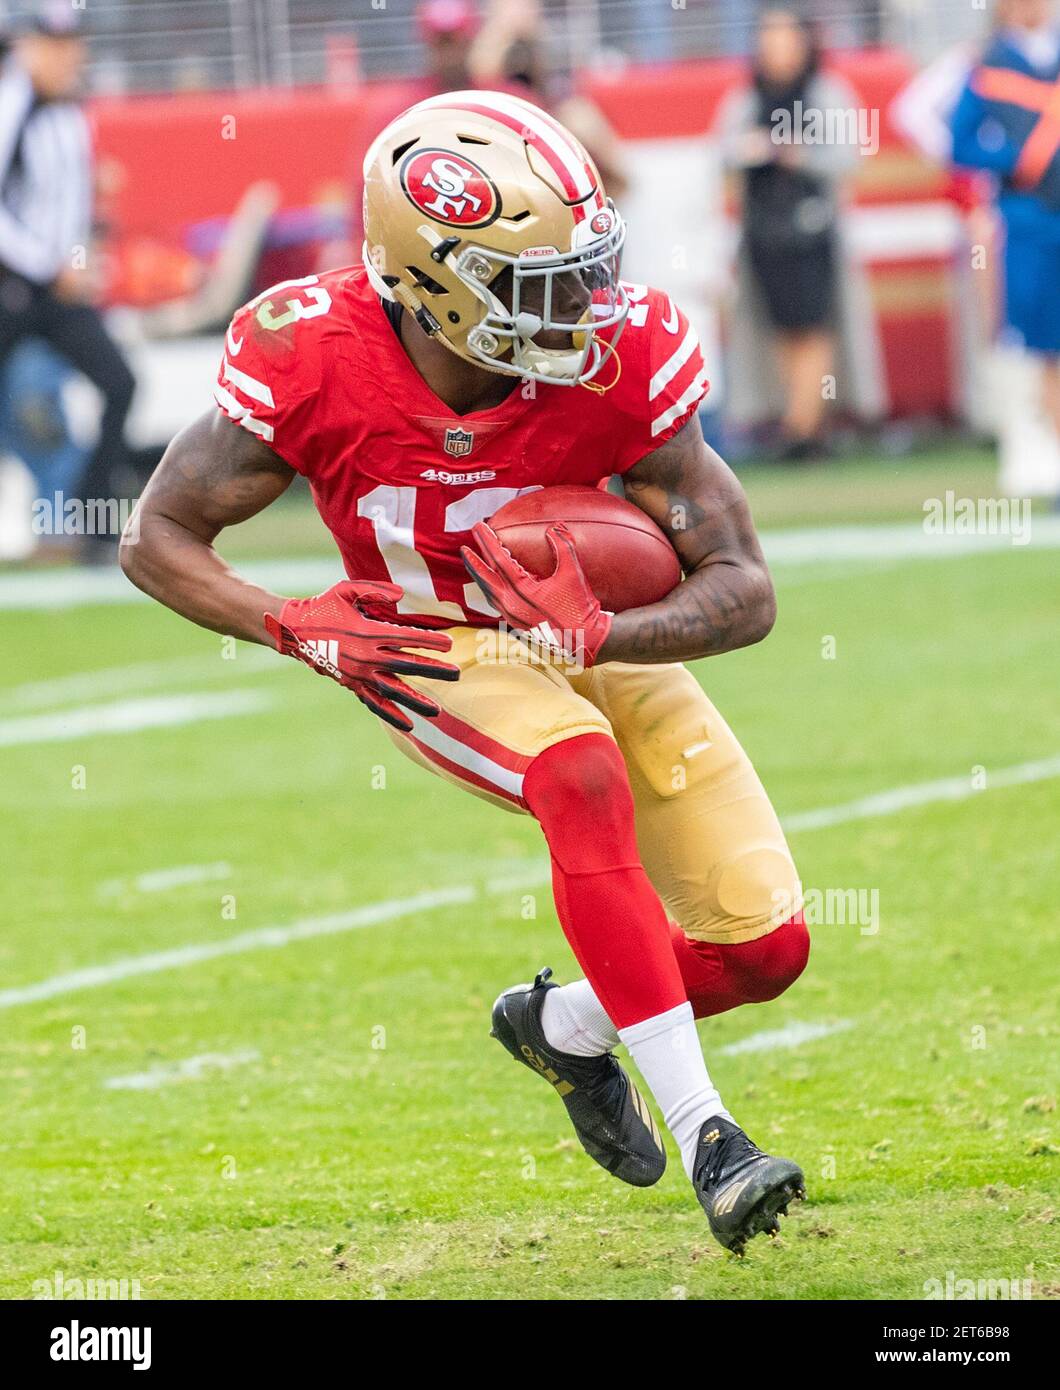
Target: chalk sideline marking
(864, 545)
(162, 880)
(791, 1035)
(882, 803)
(92, 976)
(190, 1069)
(129, 716)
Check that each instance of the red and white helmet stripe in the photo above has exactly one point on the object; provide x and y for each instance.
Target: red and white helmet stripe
(559, 149)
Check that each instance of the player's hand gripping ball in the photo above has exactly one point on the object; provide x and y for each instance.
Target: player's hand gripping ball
(557, 563)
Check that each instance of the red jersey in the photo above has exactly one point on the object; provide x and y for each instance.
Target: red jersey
(316, 369)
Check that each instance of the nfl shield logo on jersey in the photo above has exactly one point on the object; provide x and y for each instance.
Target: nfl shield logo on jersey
(458, 443)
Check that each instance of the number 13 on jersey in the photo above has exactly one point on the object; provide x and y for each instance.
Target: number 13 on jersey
(392, 512)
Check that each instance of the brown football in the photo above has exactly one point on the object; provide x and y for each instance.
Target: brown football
(626, 558)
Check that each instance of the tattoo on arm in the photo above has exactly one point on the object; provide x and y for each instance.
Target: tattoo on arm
(214, 474)
(727, 598)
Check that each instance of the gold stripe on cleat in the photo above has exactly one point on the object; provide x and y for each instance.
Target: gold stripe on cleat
(562, 1088)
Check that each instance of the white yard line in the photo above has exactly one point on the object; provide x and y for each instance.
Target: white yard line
(866, 544)
(862, 546)
(791, 1035)
(190, 1069)
(92, 976)
(881, 804)
(533, 874)
(162, 880)
(84, 686)
(922, 794)
(77, 586)
(130, 716)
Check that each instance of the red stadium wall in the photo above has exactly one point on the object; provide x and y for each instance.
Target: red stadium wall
(171, 164)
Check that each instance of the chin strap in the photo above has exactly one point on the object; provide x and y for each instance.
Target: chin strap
(542, 361)
(548, 358)
(610, 349)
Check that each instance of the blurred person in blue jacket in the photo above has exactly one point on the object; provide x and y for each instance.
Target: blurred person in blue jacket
(33, 424)
(1007, 121)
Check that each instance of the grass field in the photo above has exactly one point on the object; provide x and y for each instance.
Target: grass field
(357, 1134)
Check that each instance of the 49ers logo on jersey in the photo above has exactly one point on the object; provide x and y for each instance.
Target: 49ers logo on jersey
(450, 188)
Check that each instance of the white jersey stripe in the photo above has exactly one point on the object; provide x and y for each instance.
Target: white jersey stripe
(256, 390)
(425, 731)
(672, 365)
(240, 413)
(690, 394)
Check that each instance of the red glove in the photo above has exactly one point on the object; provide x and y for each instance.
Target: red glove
(334, 634)
(560, 613)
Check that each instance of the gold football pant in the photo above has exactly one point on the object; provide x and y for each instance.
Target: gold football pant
(708, 837)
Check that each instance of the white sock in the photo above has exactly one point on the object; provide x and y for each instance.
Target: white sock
(666, 1049)
(574, 1021)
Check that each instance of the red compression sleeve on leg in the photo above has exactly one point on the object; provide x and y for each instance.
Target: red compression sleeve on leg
(718, 978)
(611, 915)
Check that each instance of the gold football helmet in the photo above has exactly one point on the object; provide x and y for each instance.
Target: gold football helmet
(488, 222)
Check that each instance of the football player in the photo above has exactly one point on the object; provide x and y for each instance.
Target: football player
(487, 347)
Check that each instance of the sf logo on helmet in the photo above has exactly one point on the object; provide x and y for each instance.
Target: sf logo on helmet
(449, 189)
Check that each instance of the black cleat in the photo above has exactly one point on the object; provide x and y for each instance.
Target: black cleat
(739, 1187)
(610, 1117)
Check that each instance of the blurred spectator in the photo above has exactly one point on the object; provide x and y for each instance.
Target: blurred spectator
(798, 285)
(923, 109)
(1005, 123)
(447, 28)
(45, 225)
(39, 457)
(922, 112)
(511, 53)
(507, 52)
(33, 422)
